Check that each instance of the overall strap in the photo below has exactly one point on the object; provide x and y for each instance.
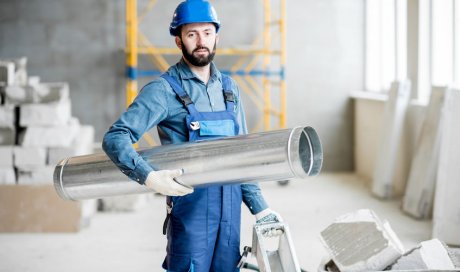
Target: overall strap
(228, 93)
(183, 96)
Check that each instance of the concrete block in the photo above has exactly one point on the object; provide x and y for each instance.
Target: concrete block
(45, 114)
(20, 94)
(20, 70)
(126, 203)
(446, 213)
(57, 136)
(7, 176)
(82, 145)
(7, 136)
(7, 72)
(359, 241)
(39, 176)
(418, 198)
(29, 158)
(393, 122)
(38, 93)
(429, 255)
(6, 156)
(7, 116)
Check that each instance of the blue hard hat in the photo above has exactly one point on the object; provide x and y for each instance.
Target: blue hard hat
(193, 11)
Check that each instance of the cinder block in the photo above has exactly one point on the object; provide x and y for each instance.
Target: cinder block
(7, 175)
(20, 94)
(39, 176)
(57, 136)
(45, 114)
(82, 145)
(429, 255)
(38, 93)
(6, 156)
(29, 158)
(7, 72)
(7, 136)
(7, 116)
(20, 70)
(359, 241)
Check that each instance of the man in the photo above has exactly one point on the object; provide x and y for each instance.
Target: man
(191, 101)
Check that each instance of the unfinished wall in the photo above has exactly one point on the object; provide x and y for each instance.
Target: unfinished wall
(81, 42)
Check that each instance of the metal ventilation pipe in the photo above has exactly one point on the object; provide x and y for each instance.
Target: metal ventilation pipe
(266, 156)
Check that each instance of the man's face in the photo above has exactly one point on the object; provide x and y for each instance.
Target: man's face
(198, 43)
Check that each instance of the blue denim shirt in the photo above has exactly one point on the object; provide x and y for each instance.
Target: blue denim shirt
(157, 105)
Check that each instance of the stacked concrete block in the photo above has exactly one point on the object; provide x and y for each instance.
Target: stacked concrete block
(37, 124)
(360, 241)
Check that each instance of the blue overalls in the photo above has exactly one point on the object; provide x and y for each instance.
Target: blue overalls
(204, 227)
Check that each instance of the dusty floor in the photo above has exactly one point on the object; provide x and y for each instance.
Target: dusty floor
(133, 241)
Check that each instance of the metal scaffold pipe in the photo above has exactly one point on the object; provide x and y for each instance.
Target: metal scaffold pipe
(266, 156)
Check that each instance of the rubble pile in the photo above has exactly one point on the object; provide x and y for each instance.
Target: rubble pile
(360, 241)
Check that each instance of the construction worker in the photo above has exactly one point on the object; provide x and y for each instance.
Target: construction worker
(191, 101)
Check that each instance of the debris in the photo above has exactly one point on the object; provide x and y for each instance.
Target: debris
(359, 241)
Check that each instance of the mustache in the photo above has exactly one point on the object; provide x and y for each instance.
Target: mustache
(201, 47)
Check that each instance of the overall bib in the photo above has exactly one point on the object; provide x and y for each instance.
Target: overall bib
(203, 229)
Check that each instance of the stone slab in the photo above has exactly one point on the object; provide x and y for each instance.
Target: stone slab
(392, 128)
(360, 241)
(429, 255)
(446, 213)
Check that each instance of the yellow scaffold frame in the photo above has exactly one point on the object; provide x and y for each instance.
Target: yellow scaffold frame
(257, 84)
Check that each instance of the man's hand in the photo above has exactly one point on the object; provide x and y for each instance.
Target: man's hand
(269, 216)
(163, 182)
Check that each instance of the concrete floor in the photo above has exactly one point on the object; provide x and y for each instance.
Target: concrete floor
(133, 241)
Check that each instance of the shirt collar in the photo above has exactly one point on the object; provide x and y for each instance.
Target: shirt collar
(186, 73)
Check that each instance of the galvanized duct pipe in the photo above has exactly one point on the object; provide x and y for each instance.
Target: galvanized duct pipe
(267, 156)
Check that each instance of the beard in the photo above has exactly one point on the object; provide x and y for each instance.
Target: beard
(199, 61)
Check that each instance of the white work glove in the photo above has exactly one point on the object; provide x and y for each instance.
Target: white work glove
(163, 182)
(269, 216)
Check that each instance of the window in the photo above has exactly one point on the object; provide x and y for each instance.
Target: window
(437, 44)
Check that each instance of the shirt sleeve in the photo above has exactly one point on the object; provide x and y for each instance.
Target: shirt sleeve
(252, 195)
(147, 110)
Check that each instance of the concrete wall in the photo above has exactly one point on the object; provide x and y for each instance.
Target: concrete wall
(81, 42)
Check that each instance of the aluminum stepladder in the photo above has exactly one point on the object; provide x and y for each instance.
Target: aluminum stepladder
(281, 259)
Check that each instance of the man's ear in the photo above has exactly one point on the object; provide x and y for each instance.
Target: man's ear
(178, 43)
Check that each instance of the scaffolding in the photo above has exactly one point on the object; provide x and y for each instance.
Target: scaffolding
(258, 70)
